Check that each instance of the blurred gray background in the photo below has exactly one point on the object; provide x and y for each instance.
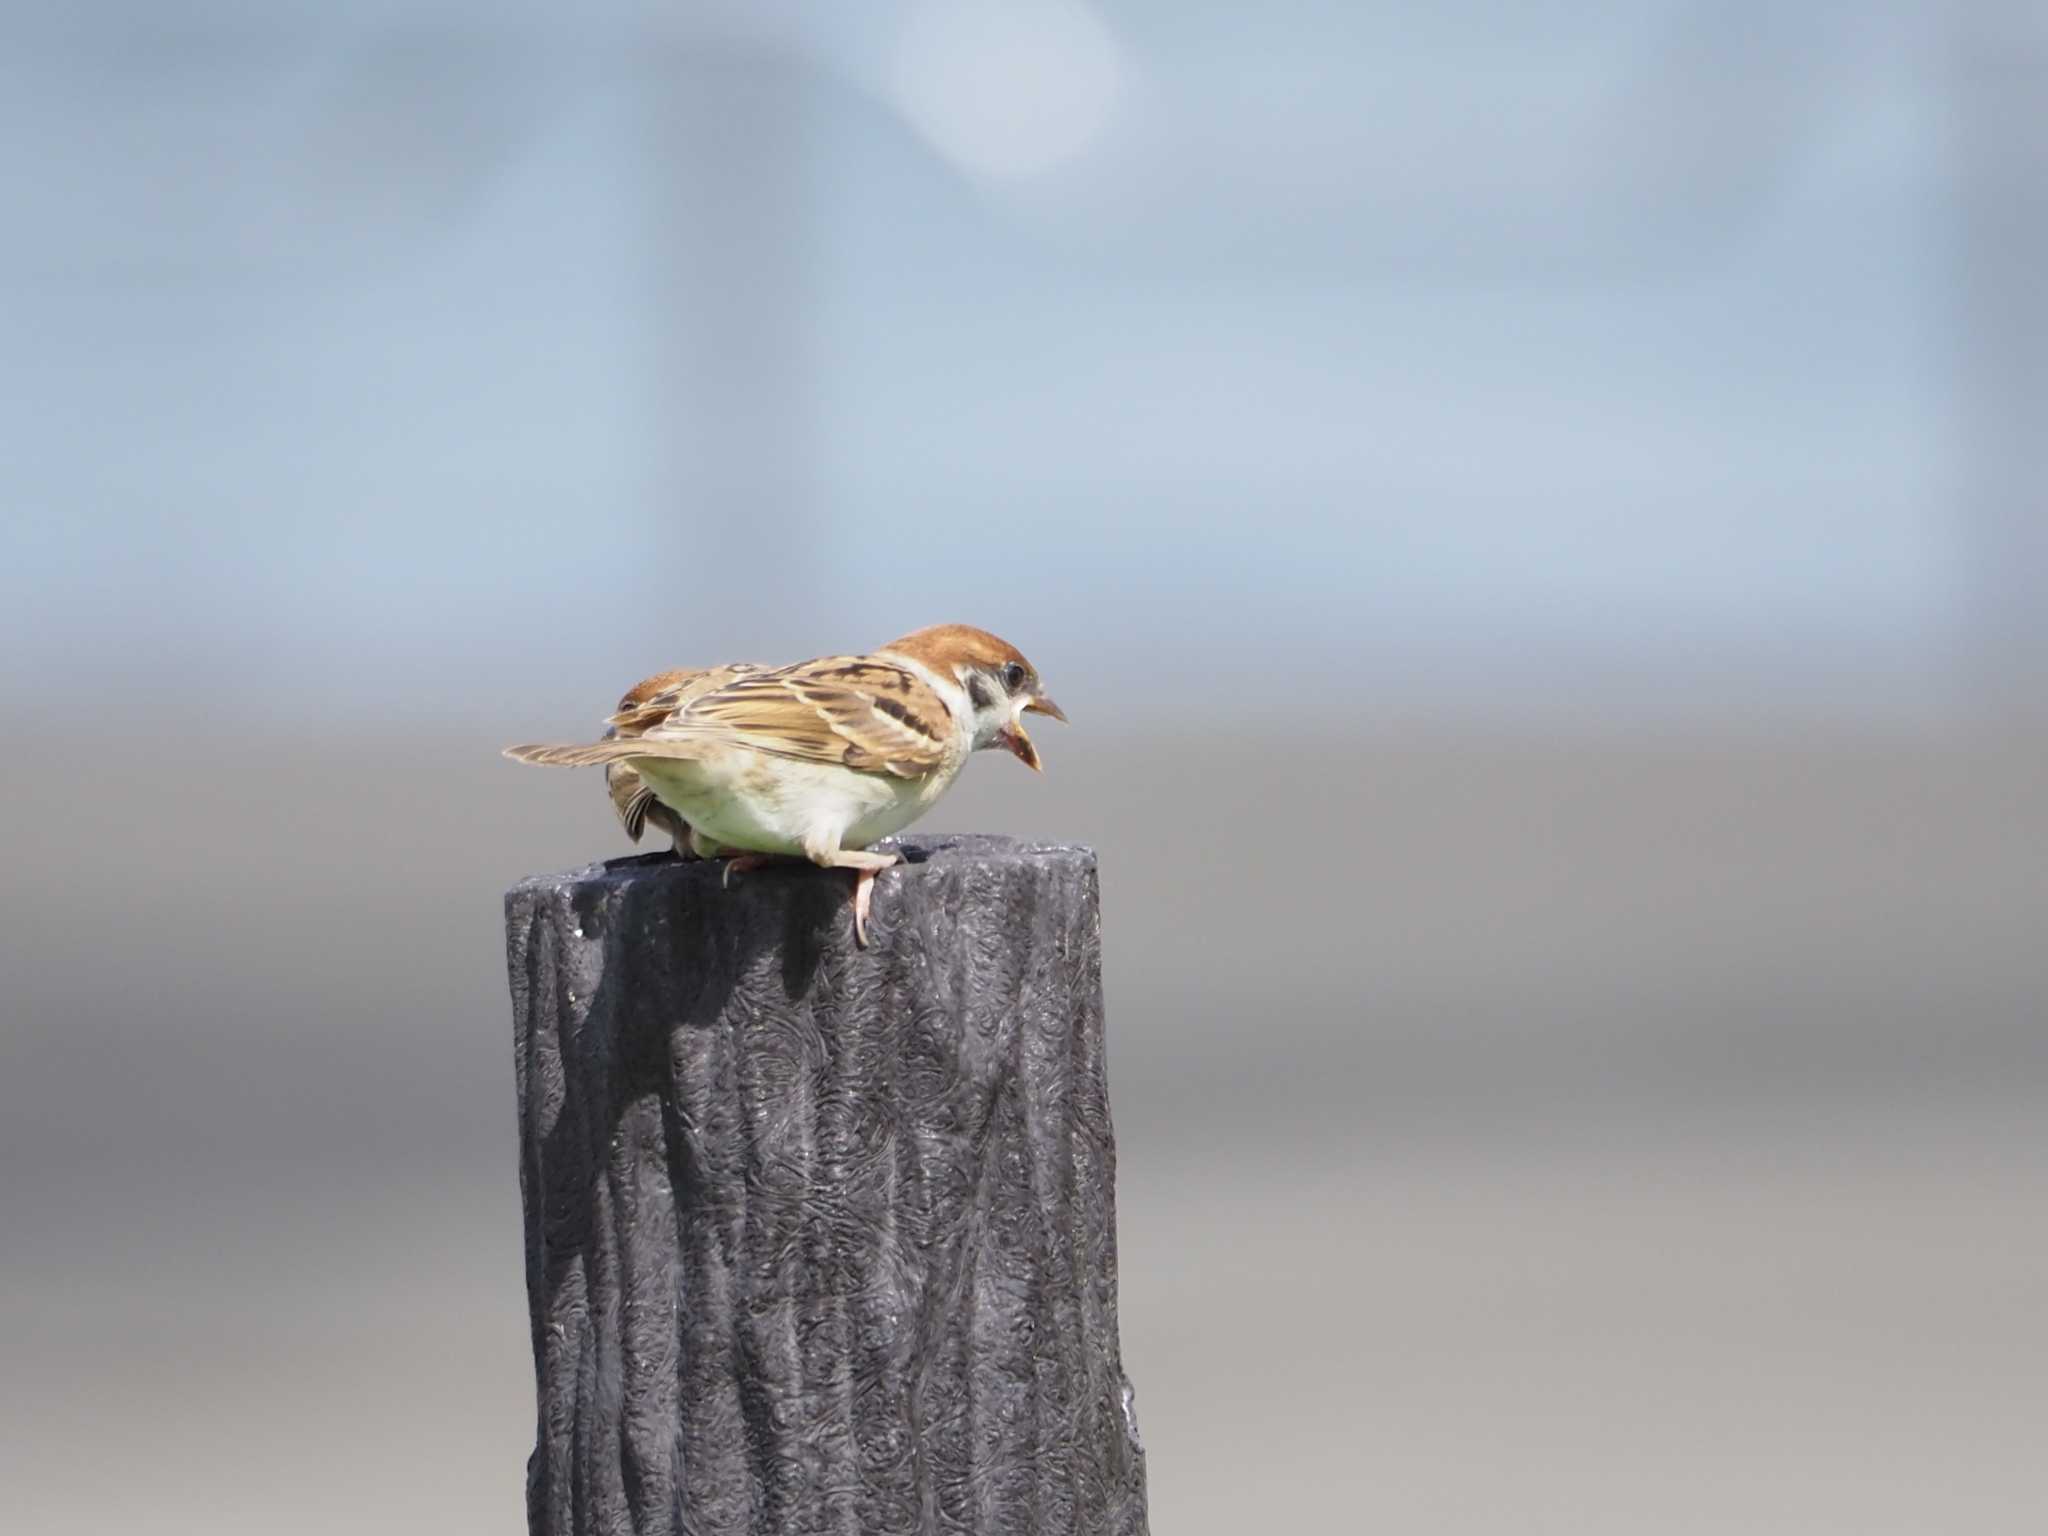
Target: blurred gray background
(1537, 514)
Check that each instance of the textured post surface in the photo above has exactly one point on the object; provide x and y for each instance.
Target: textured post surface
(821, 1239)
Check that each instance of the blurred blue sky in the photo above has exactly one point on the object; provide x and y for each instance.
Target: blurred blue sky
(422, 359)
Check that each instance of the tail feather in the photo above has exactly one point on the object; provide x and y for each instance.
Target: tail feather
(634, 817)
(562, 755)
(617, 750)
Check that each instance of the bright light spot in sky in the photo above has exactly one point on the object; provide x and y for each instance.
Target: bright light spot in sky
(1007, 90)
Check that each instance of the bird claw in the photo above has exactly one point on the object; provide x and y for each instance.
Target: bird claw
(741, 864)
(864, 896)
(863, 883)
(863, 900)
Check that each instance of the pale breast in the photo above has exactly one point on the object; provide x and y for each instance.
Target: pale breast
(768, 804)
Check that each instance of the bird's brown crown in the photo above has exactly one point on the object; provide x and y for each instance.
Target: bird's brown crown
(943, 646)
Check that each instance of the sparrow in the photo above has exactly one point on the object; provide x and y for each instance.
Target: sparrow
(637, 806)
(821, 759)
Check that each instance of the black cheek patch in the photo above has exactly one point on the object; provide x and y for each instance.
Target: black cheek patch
(978, 690)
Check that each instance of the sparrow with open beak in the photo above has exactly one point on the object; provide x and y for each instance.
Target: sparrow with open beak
(824, 758)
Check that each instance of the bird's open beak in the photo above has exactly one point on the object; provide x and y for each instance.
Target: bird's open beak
(1020, 745)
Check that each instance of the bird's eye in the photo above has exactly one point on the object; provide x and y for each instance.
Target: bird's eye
(1013, 676)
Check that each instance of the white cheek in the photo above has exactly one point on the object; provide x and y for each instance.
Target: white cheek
(990, 723)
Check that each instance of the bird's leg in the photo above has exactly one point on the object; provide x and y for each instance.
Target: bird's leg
(866, 864)
(694, 843)
(864, 895)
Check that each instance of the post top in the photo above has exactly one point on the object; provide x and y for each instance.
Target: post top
(934, 848)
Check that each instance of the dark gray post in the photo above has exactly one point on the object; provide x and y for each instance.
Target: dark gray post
(821, 1239)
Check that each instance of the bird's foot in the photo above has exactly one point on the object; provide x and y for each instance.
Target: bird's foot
(865, 863)
(864, 892)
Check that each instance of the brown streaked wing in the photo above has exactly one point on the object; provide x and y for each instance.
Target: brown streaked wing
(652, 700)
(852, 710)
(647, 703)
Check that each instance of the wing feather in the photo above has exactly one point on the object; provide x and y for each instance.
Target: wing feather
(647, 703)
(653, 699)
(856, 711)
(866, 714)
